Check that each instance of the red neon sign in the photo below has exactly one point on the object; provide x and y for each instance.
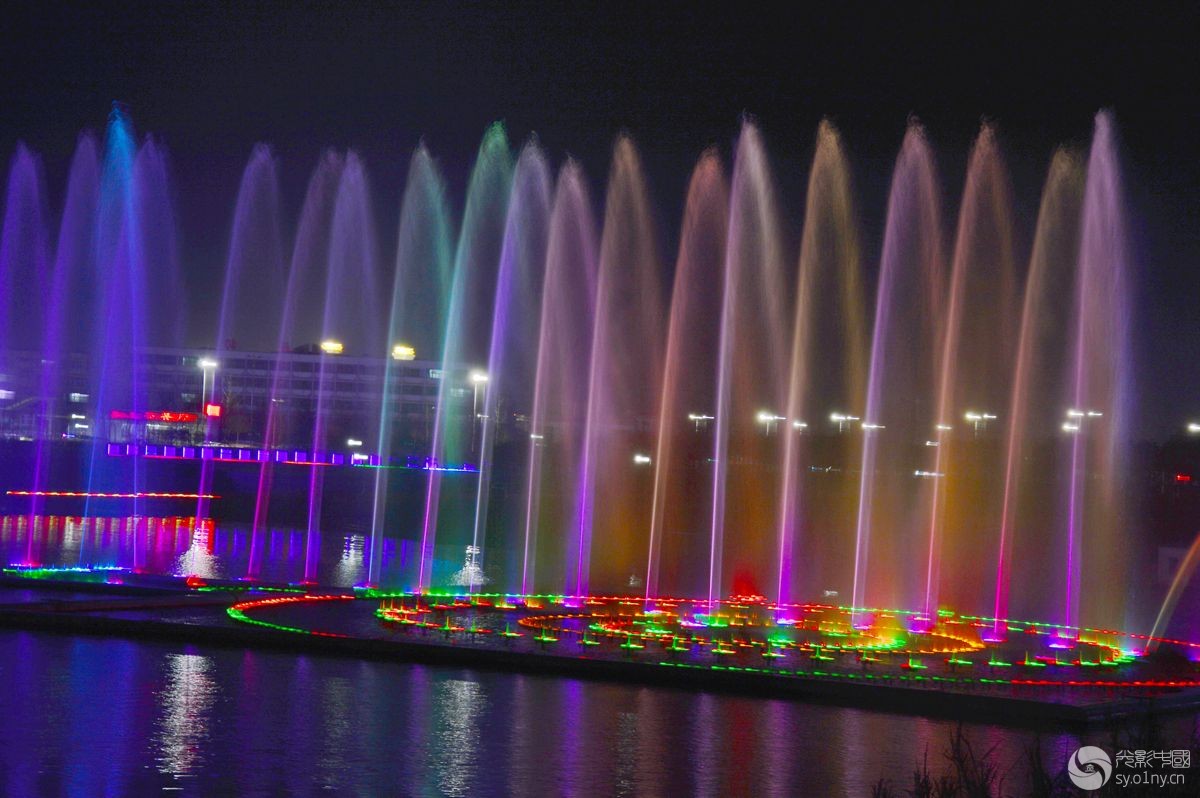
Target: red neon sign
(165, 416)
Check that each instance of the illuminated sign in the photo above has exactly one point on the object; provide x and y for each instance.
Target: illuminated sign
(163, 416)
(212, 411)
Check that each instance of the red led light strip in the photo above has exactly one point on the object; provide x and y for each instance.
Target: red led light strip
(70, 494)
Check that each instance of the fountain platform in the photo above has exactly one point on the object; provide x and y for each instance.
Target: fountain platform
(1022, 673)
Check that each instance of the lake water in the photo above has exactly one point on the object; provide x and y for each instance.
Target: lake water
(94, 716)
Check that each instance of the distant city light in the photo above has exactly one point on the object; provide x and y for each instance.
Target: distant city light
(869, 426)
(1069, 427)
(7, 394)
(403, 352)
(799, 425)
(207, 363)
(164, 416)
(943, 427)
(1193, 427)
(641, 459)
(77, 397)
(331, 347)
(353, 442)
(479, 376)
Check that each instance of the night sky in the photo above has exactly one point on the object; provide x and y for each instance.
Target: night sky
(212, 81)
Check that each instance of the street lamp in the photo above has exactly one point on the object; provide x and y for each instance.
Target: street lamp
(841, 419)
(768, 420)
(868, 426)
(403, 352)
(1193, 428)
(353, 443)
(208, 367)
(799, 425)
(641, 459)
(332, 347)
(1076, 417)
(477, 378)
(699, 418)
(978, 419)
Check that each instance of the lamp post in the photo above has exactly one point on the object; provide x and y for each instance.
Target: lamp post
(478, 378)
(208, 380)
(699, 418)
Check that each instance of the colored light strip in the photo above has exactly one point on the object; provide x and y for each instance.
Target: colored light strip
(70, 494)
(238, 613)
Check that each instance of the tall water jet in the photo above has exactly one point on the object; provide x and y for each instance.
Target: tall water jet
(74, 264)
(512, 356)
(1038, 391)
(828, 370)
(416, 320)
(751, 390)
(166, 316)
(678, 519)
(975, 368)
(352, 323)
(250, 301)
(139, 298)
(468, 328)
(908, 306)
(625, 375)
(1100, 391)
(24, 265)
(554, 484)
(300, 320)
(25, 259)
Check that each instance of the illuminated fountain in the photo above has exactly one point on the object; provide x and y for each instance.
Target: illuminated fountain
(751, 424)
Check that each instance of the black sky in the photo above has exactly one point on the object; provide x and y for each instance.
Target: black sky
(211, 80)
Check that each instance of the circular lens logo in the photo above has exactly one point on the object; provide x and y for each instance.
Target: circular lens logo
(1090, 768)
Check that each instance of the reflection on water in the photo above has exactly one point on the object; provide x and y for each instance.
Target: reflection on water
(180, 546)
(185, 703)
(458, 704)
(94, 716)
